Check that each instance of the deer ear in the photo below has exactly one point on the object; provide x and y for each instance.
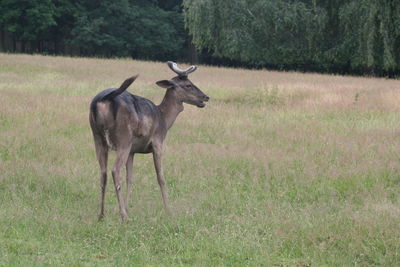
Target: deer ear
(165, 84)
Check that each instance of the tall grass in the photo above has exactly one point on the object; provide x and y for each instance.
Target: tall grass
(280, 169)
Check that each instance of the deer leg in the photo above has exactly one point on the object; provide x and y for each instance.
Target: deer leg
(102, 157)
(122, 156)
(129, 178)
(157, 156)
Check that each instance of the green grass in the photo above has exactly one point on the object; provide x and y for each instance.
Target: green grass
(280, 169)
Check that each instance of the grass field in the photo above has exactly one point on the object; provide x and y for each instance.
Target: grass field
(279, 169)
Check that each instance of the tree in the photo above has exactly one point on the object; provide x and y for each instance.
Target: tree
(138, 29)
(371, 35)
(27, 20)
(361, 36)
(260, 33)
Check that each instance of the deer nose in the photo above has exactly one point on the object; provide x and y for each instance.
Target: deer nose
(206, 98)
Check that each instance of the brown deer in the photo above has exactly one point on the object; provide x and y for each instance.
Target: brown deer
(132, 124)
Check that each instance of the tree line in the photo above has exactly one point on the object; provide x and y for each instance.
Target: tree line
(340, 36)
(143, 29)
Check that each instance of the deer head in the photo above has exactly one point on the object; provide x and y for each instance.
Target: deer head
(185, 91)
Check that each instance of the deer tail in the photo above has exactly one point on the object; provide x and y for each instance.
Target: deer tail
(121, 89)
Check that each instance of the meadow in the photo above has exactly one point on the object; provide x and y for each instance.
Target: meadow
(279, 169)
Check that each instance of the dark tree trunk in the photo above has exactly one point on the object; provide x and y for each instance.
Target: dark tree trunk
(193, 54)
(3, 42)
(23, 46)
(14, 45)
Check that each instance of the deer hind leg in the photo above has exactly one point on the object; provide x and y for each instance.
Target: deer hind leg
(102, 157)
(122, 157)
(157, 156)
(129, 179)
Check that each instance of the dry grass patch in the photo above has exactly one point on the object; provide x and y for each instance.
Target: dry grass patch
(280, 168)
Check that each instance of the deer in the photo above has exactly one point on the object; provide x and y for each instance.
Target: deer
(130, 124)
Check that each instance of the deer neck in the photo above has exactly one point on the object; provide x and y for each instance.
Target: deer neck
(170, 107)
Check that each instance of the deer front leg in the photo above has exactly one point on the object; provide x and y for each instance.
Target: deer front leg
(157, 156)
(129, 179)
(122, 156)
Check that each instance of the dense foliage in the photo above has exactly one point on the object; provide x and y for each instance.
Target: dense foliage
(137, 28)
(356, 36)
(345, 36)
